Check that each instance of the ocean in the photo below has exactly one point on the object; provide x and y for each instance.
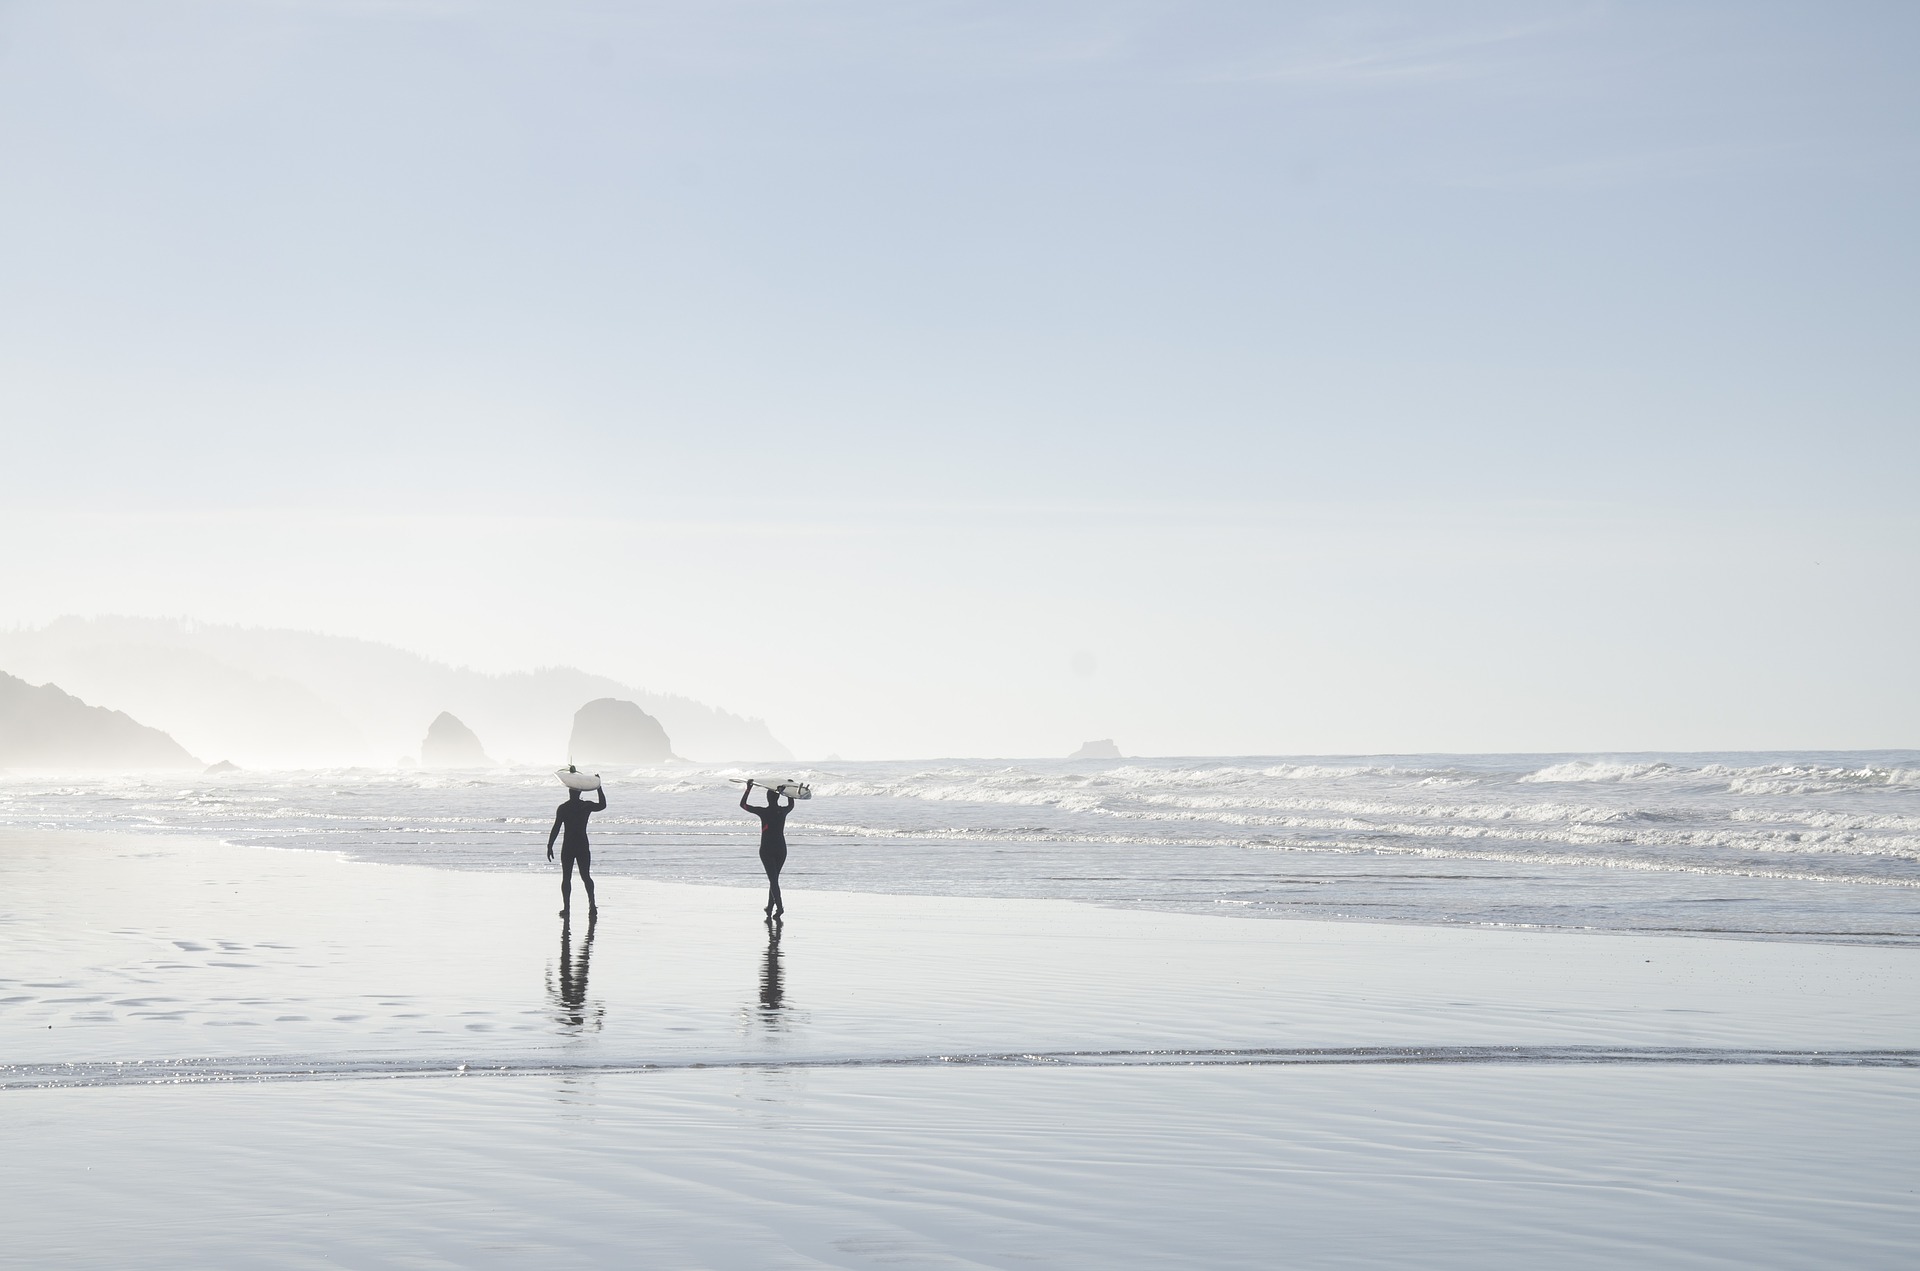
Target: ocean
(1821, 846)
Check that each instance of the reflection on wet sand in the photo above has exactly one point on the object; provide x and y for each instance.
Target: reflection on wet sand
(772, 994)
(568, 990)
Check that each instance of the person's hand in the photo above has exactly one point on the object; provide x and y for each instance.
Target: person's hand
(549, 851)
(749, 783)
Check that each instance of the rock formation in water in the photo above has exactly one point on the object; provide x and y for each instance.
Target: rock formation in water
(44, 727)
(293, 699)
(225, 765)
(451, 744)
(1102, 749)
(610, 731)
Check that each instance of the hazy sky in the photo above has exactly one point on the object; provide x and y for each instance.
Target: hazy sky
(960, 378)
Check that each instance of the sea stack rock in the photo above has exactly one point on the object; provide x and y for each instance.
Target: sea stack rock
(1102, 749)
(610, 731)
(451, 744)
(43, 727)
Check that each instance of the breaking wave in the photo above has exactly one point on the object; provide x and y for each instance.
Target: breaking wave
(1814, 845)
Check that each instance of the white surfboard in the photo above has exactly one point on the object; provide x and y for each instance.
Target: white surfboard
(573, 779)
(791, 789)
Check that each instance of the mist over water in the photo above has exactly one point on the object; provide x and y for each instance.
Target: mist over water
(1822, 846)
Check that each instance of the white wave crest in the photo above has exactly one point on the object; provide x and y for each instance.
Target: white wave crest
(1600, 770)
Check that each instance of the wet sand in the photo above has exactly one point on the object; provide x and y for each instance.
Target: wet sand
(1243, 1167)
(199, 1047)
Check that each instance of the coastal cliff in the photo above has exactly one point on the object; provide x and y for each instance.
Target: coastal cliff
(291, 699)
(42, 726)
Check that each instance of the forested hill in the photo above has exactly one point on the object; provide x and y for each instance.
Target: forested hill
(268, 698)
(42, 726)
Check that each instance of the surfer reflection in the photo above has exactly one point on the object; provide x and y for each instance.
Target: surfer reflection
(569, 989)
(772, 995)
(574, 850)
(773, 843)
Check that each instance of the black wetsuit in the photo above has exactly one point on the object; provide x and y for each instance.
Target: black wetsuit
(572, 816)
(574, 850)
(773, 844)
(773, 834)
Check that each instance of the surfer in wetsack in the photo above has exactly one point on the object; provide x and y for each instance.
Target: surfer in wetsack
(773, 843)
(572, 818)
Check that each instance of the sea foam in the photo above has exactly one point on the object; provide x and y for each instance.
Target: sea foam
(1802, 845)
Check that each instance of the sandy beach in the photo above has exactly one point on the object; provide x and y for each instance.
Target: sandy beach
(1244, 1167)
(304, 1060)
(1301, 616)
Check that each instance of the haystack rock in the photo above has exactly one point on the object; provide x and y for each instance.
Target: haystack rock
(44, 727)
(1102, 749)
(610, 731)
(451, 744)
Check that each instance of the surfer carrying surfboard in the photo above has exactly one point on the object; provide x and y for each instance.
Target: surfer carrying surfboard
(773, 843)
(574, 850)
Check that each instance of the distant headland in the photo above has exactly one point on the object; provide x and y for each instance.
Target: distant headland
(268, 698)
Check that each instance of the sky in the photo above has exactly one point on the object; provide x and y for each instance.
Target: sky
(981, 379)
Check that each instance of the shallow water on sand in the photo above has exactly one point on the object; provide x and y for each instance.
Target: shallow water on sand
(213, 1055)
(1815, 845)
(1244, 1168)
(154, 960)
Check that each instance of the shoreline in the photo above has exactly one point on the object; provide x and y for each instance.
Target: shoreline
(1221, 908)
(212, 1055)
(158, 950)
(1706, 845)
(190, 1072)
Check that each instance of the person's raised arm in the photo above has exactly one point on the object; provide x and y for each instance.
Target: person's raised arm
(553, 833)
(743, 796)
(601, 806)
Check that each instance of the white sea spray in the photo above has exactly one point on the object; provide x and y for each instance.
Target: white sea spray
(1801, 845)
